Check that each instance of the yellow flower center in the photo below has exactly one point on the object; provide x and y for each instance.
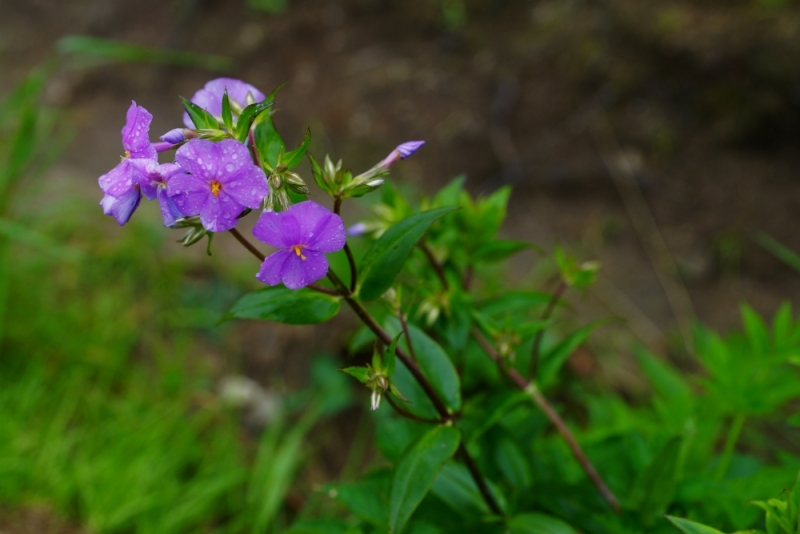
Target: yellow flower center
(297, 249)
(125, 156)
(215, 187)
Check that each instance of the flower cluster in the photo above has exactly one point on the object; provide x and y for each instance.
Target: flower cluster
(218, 176)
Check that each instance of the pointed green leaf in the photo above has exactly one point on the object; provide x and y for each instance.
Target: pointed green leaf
(501, 249)
(538, 524)
(284, 305)
(656, 485)
(316, 171)
(202, 119)
(293, 158)
(227, 116)
(433, 360)
(416, 471)
(690, 527)
(385, 259)
(250, 114)
(359, 373)
(554, 359)
(269, 142)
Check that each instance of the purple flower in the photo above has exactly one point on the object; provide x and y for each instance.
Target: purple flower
(153, 184)
(401, 152)
(221, 182)
(210, 97)
(121, 184)
(304, 233)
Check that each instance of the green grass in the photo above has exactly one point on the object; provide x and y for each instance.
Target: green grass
(109, 414)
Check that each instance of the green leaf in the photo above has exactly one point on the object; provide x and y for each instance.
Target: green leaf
(366, 498)
(455, 486)
(385, 259)
(286, 306)
(501, 249)
(433, 361)
(554, 359)
(416, 471)
(690, 527)
(269, 142)
(293, 158)
(538, 524)
(107, 51)
(202, 119)
(448, 195)
(756, 330)
(786, 255)
(656, 485)
(389, 358)
(319, 177)
(227, 116)
(248, 115)
(359, 373)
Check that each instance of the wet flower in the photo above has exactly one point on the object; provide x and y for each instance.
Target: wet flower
(210, 97)
(121, 184)
(153, 184)
(221, 181)
(304, 233)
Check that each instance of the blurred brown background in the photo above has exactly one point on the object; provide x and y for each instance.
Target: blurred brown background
(658, 137)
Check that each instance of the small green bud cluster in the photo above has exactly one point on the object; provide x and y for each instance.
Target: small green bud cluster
(377, 375)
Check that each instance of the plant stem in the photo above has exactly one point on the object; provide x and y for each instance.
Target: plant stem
(537, 341)
(478, 478)
(536, 396)
(436, 265)
(384, 336)
(408, 415)
(403, 322)
(337, 206)
(421, 379)
(247, 244)
(734, 432)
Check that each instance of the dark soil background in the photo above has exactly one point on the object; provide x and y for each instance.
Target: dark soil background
(692, 105)
(658, 137)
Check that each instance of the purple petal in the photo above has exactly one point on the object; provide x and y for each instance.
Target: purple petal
(174, 136)
(409, 147)
(119, 180)
(297, 272)
(277, 229)
(121, 208)
(219, 214)
(148, 177)
(318, 227)
(135, 133)
(210, 97)
(199, 157)
(169, 211)
(272, 268)
(189, 193)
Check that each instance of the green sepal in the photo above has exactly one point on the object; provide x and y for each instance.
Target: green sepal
(248, 115)
(361, 374)
(293, 158)
(202, 119)
(319, 177)
(396, 392)
(227, 116)
(389, 357)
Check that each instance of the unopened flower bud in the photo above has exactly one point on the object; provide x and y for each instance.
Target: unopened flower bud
(357, 229)
(178, 135)
(374, 184)
(401, 152)
(295, 182)
(375, 400)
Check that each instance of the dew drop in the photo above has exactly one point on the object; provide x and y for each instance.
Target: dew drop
(229, 167)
